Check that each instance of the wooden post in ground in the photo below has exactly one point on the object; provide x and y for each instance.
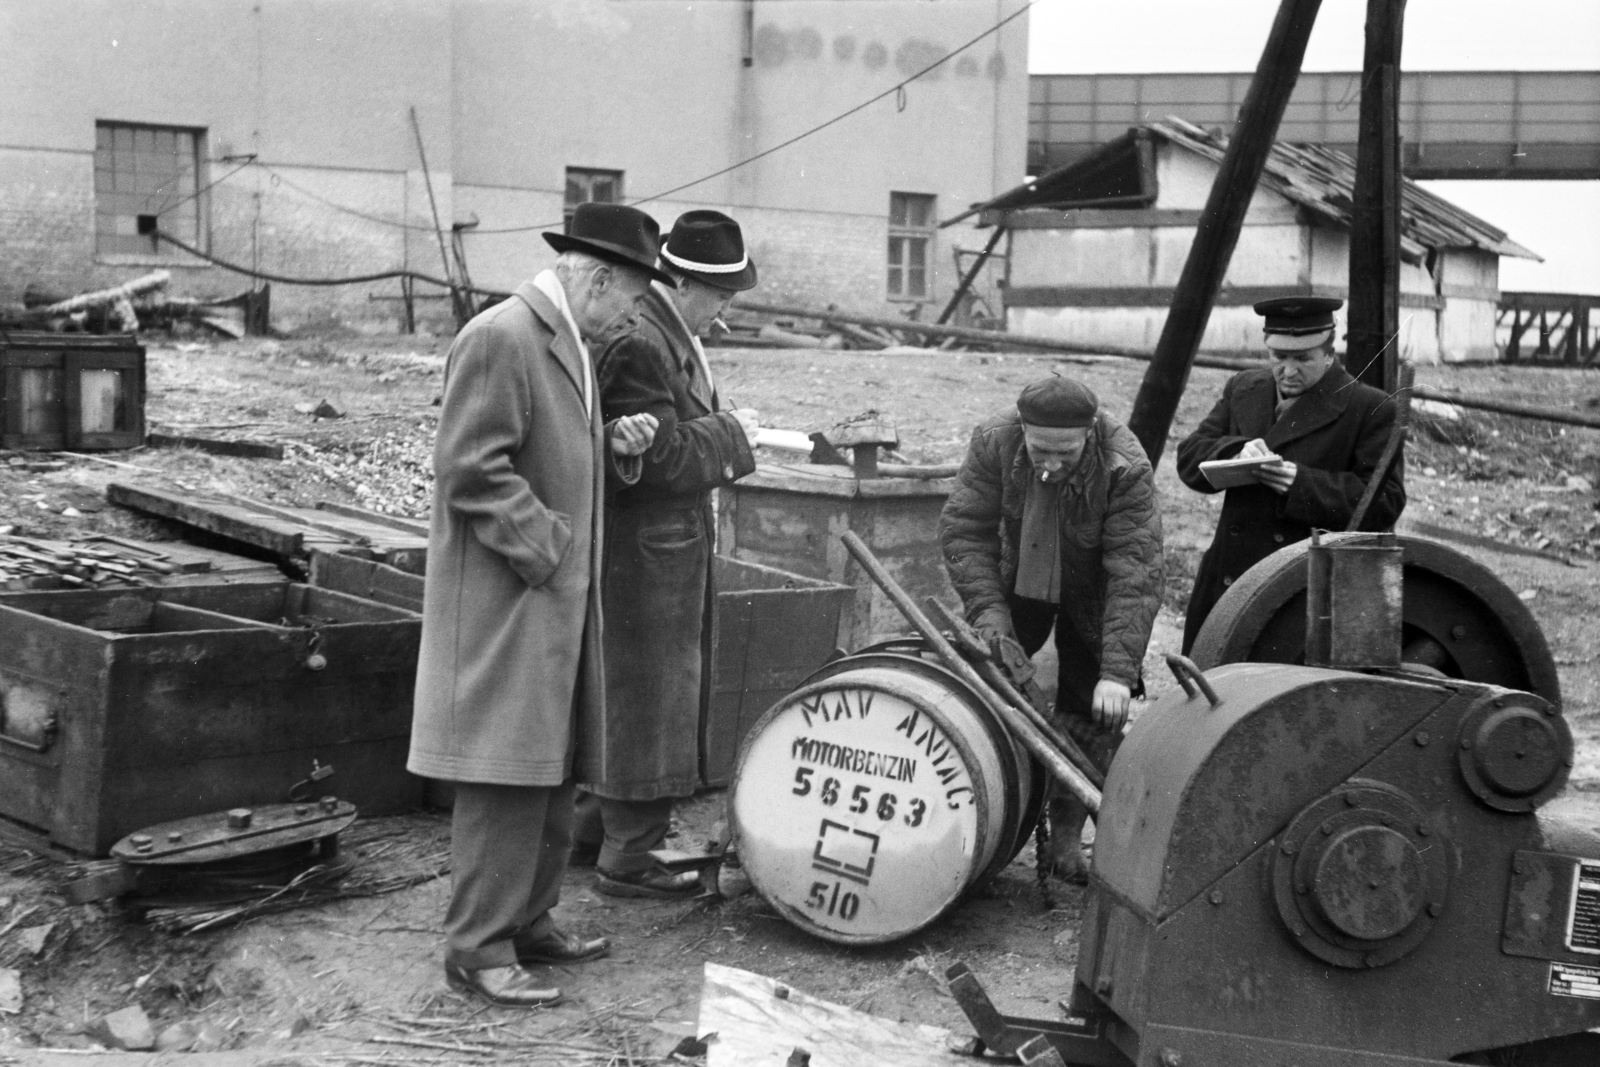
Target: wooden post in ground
(1373, 352)
(1218, 231)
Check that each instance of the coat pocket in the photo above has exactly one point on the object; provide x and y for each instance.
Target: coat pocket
(670, 533)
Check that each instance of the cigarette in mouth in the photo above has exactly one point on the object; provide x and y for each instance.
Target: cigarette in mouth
(719, 324)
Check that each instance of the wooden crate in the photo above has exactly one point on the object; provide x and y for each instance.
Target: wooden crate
(792, 516)
(773, 629)
(123, 708)
(76, 391)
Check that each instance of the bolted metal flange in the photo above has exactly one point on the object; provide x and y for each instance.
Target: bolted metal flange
(1365, 885)
(1514, 754)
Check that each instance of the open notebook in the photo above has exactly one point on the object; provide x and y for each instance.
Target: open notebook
(1227, 473)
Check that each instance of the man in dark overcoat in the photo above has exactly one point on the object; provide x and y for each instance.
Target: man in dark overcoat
(1329, 430)
(1054, 522)
(510, 667)
(658, 589)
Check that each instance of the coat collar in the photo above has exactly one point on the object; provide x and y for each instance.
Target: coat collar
(1321, 404)
(680, 345)
(563, 347)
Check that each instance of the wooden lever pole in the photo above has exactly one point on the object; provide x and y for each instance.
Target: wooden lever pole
(1018, 723)
(1007, 690)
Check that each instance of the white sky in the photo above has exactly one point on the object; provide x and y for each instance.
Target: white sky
(1135, 36)
(1559, 220)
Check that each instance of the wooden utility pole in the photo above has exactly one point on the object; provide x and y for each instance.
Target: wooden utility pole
(1218, 231)
(1373, 352)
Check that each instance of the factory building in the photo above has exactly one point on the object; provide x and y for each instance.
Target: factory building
(279, 135)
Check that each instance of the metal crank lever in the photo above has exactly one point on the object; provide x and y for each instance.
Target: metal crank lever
(1191, 677)
(1035, 1042)
(302, 790)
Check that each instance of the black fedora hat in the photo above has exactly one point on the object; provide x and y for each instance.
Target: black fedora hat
(616, 233)
(708, 247)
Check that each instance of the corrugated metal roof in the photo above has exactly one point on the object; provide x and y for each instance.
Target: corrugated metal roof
(1321, 180)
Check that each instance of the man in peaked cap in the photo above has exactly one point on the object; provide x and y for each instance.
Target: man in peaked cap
(1054, 522)
(509, 674)
(658, 591)
(1328, 431)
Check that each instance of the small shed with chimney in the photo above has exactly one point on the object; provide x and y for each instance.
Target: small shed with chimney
(1096, 247)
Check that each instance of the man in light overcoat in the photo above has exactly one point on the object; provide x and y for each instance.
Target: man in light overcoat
(511, 667)
(658, 591)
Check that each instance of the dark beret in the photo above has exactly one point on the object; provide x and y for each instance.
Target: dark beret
(1057, 402)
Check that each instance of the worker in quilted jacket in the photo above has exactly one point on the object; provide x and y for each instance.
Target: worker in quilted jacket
(1054, 524)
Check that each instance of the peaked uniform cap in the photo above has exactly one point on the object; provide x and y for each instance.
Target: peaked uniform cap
(709, 247)
(615, 233)
(1297, 323)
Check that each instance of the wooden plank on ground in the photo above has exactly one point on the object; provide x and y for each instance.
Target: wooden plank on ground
(214, 516)
(216, 446)
(394, 522)
(758, 1027)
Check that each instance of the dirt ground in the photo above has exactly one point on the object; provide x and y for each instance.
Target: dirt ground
(359, 981)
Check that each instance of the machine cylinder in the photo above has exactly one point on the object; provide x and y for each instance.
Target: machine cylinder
(870, 799)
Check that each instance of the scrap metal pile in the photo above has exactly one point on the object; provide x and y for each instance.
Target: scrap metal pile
(134, 305)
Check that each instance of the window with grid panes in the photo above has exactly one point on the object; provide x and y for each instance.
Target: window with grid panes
(146, 177)
(911, 227)
(585, 185)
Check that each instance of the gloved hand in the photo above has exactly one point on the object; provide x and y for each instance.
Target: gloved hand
(993, 624)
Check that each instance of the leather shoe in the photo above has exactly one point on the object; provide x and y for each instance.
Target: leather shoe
(509, 987)
(655, 884)
(557, 946)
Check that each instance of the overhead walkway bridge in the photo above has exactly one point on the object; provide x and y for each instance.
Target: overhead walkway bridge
(1469, 124)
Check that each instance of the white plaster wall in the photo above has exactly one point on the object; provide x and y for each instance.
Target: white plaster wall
(1467, 331)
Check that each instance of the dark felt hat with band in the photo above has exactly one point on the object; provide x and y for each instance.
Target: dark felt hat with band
(708, 247)
(1298, 322)
(615, 233)
(1060, 403)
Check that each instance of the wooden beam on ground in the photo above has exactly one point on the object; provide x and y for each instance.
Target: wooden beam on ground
(216, 447)
(394, 522)
(1509, 407)
(988, 337)
(1218, 231)
(226, 520)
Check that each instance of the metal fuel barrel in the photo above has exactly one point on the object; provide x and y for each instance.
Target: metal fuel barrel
(871, 798)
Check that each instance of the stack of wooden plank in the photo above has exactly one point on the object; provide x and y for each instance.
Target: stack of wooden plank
(26, 563)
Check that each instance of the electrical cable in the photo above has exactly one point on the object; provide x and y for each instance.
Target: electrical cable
(284, 279)
(207, 187)
(303, 191)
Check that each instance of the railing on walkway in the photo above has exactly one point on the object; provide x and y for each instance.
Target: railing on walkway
(1565, 327)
